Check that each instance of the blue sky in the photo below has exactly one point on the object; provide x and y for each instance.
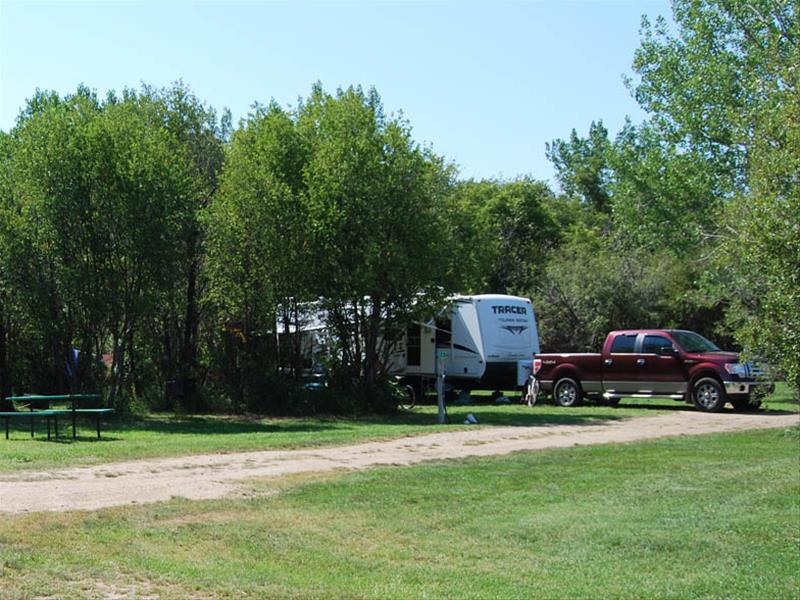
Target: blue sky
(486, 84)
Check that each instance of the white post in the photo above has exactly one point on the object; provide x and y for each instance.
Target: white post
(440, 356)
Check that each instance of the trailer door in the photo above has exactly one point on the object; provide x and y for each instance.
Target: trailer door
(466, 359)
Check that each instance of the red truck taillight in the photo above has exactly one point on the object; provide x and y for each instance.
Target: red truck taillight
(537, 364)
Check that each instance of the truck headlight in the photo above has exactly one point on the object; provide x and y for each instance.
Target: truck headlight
(738, 369)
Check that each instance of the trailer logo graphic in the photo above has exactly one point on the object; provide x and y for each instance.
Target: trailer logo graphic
(509, 310)
(515, 329)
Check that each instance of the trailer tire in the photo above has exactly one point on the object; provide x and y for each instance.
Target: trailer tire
(567, 392)
(708, 395)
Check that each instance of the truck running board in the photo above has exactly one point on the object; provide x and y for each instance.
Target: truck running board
(616, 396)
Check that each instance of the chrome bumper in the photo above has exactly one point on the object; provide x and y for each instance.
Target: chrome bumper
(741, 388)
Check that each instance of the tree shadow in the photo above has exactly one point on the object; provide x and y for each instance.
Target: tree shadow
(533, 419)
(676, 406)
(213, 425)
(67, 440)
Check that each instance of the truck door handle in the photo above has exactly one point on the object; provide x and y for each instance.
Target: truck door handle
(608, 362)
(640, 362)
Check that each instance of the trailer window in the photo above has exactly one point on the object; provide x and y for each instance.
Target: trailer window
(413, 346)
(443, 333)
(623, 344)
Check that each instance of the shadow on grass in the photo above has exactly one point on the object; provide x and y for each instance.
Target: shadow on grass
(213, 425)
(490, 414)
(487, 413)
(676, 406)
(67, 440)
(192, 425)
(536, 420)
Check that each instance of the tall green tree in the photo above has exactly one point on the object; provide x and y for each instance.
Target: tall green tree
(6, 253)
(380, 248)
(333, 201)
(196, 130)
(592, 284)
(100, 197)
(582, 166)
(663, 196)
(725, 85)
(258, 267)
(503, 230)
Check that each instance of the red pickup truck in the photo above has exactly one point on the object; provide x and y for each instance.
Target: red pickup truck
(651, 363)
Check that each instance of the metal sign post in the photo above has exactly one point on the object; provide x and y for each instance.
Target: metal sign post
(441, 355)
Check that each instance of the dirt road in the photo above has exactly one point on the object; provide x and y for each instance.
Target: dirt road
(217, 475)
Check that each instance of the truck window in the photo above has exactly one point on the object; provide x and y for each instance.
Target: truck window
(692, 342)
(623, 344)
(653, 342)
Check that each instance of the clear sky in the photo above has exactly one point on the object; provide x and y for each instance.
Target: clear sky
(486, 84)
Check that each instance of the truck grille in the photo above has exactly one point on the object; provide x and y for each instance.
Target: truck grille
(755, 370)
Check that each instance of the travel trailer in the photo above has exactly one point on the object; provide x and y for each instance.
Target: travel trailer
(485, 341)
(479, 342)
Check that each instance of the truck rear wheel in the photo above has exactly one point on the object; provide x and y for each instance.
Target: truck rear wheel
(708, 395)
(567, 392)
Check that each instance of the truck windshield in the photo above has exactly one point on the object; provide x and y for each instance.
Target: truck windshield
(694, 343)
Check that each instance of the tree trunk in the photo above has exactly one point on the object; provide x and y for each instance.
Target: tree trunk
(115, 368)
(5, 383)
(372, 367)
(118, 375)
(186, 372)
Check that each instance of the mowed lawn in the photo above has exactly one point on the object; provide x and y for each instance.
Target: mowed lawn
(169, 435)
(692, 517)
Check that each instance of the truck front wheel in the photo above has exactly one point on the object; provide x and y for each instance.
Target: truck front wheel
(567, 392)
(708, 395)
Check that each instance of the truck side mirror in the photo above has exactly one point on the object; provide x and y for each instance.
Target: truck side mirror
(668, 351)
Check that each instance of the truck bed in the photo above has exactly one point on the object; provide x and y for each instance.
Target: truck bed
(587, 365)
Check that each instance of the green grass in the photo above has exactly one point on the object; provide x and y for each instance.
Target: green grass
(168, 435)
(692, 517)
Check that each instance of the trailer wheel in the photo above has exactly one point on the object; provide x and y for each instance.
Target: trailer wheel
(567, 392)
(708, 395)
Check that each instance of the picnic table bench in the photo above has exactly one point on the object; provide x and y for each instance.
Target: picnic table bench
(53, 413)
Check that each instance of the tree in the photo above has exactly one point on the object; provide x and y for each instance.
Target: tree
(663, 197)
(195, 130)
(592, 284)
(335, 202)
(582, 166)
(503, 231)
(726, 87)
(6, 219)
(380, 248)
(100, 200)
(258, 246)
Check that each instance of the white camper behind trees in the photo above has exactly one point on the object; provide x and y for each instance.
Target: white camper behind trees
(485, 341)
(482, 339)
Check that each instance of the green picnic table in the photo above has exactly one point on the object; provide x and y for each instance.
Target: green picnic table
(53, 413)
(31, 415)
